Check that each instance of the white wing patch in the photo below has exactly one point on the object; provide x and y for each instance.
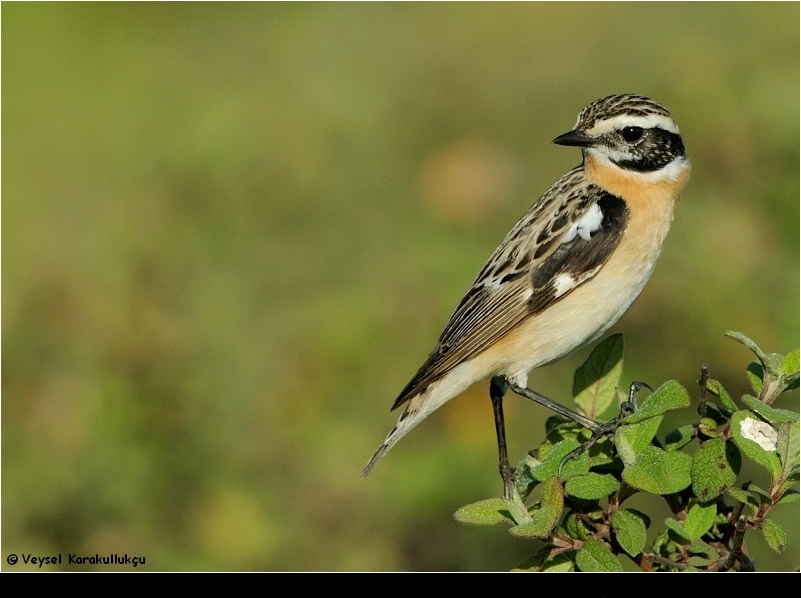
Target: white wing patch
(589, 222)
(564, 283)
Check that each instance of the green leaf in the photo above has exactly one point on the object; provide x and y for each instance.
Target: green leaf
(716, 388)
(668, 397)
(524, 481)
(553, 494)
(564, 428)
(743, 496)
(595, 380)
(595, 556)
(679, 438)
(700, 518)
(703, 550)
(708, 427)
(650, 472)
(592, 486)
(630, 440)
(531, 564)
(485, 512)
(775, 535)
(773, 415)
(575, 527)
(629, 526)
(791, 363)
(790, 373)
(680, 472)
(754, 438)
(678, 529)
(550, 467)
(789, 497)
(768, 378)
(787, 484)
(755, 374)
(663, 545)
(715, 467)
(759, 493)
(561, 563)
(717, 413)
(744, 340)
(542, 561)
(517, 509)
(544, 519)
(788, 444)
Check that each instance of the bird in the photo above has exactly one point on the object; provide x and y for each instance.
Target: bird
(566, 272)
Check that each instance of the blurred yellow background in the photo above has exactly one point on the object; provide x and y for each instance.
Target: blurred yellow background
(231, 233)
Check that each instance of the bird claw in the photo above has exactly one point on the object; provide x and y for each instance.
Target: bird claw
(628, 407)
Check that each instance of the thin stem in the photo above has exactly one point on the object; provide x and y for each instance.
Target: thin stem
(736, 544)
(702, 398)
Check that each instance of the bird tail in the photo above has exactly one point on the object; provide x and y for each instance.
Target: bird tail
(417, 409)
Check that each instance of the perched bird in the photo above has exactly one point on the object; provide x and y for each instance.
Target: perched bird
(566, 272)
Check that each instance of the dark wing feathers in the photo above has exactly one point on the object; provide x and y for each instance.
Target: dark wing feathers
(579, 259)
(528, 273)
(474, 326)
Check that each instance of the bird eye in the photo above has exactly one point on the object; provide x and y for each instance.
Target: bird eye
(632, 134)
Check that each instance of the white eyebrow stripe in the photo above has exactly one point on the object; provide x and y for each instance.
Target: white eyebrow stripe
(626, 120)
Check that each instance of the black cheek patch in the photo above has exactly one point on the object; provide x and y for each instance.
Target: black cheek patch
(657, 151)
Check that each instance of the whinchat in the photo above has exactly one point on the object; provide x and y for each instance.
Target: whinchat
(567, 271)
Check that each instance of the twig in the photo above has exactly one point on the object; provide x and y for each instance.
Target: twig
(702, 398)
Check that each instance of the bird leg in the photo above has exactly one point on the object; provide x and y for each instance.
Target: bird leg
(498, 387)
(553, 406)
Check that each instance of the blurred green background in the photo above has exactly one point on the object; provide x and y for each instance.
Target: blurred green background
(232, 233)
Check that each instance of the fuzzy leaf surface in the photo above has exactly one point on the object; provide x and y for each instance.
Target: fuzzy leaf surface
(677, 528)
(595, 380)
(630, 530)
(550, 467)
(700, 518)
(680, 471)
(543, 520)
(773, 415)
(650, 472)
(774, 534)
(592, 486)
(668, 397)
(788, 444)
(715, 467)
(484, 512)
(595, 556)
(632, 439)
(717, 389)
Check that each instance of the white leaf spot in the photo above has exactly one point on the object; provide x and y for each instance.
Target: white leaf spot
(760, 432)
